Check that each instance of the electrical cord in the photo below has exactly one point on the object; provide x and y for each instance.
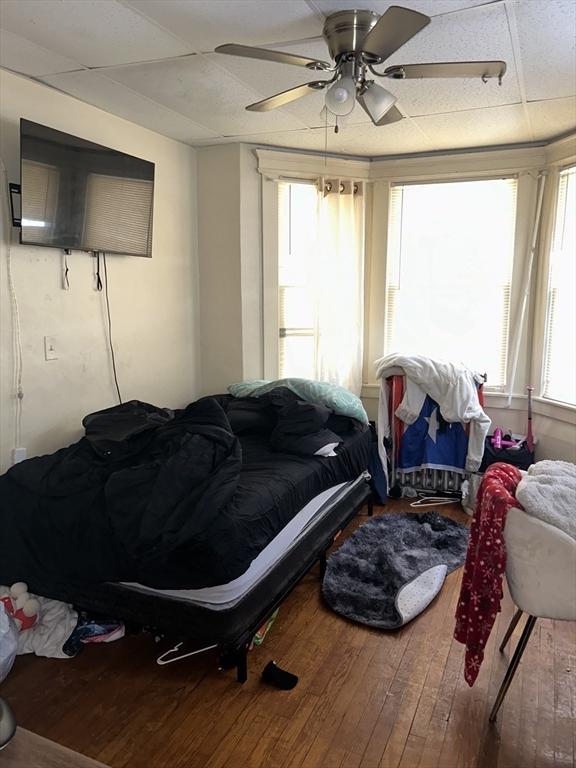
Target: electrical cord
(110, 328)
(16, 332)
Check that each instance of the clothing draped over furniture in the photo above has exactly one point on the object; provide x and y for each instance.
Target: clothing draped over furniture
(481, 590)
(453, 390)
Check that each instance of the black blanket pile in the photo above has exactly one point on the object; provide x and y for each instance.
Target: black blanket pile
(148, 495)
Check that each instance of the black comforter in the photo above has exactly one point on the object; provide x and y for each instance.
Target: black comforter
(168, 499)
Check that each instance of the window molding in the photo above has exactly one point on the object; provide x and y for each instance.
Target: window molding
(290, 166)
(459, 166)
(559, 154)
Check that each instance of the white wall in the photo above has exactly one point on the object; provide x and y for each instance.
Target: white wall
(229, 249)
(154, 302)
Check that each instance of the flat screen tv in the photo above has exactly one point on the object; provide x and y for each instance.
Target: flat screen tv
(81, 195)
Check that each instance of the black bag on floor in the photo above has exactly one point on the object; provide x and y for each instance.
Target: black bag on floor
(518, 457)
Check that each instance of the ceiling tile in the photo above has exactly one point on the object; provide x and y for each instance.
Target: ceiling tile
(477, 34)
(547, 38)
(429, 7)
(203, 92)
(102, 92)
(361, 141)
(476, 128)
(22, 56)
(428, 97)
(94, 32)
(204, 24)
(552, 117)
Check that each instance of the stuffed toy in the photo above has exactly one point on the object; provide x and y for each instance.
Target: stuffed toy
(20, 605)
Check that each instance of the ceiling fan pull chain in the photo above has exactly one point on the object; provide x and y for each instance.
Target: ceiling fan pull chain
(336, 128)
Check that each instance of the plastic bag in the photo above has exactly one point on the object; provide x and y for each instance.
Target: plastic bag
(8, 643)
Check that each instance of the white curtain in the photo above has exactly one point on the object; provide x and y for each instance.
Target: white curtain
(339, 283)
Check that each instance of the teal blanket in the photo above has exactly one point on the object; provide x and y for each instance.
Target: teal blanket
(340, 400)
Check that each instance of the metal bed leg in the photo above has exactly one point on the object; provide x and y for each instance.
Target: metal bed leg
(511, 628)
(370, 507)
(242, 665)
(513, 666)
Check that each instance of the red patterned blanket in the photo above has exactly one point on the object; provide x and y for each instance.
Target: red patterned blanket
(481, 590)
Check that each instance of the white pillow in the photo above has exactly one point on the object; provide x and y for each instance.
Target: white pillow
(327, 450)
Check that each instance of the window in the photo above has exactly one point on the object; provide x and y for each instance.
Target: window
(297, 232)
(448, 276)
(560, 343)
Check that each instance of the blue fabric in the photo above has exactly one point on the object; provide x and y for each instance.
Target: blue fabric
(340, 400)
(379, 483)
(433, 444)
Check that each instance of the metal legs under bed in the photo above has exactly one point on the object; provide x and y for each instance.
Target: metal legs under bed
(515, 661)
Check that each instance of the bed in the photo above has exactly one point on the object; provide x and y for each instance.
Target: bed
(283, 515)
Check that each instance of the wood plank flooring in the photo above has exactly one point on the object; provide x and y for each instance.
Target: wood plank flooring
(366, 699)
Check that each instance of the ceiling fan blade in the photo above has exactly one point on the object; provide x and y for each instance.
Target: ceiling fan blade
(481, 69)
(394, 28)
(377, 103)
(285, 97)
(232, 49)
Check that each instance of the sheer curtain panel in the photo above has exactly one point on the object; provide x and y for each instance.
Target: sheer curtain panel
(339, 283)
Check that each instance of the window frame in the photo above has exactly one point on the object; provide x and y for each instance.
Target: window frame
(379, 225)
(508, 352)
(284, 331)
(276, 166)
(543, 404)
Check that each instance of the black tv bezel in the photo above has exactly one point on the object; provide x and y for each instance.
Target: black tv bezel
(102, 146)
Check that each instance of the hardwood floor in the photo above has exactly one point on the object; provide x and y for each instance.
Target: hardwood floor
(365, 699)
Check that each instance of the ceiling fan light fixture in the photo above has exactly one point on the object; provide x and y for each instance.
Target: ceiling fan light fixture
(377, 101)
(341, 96)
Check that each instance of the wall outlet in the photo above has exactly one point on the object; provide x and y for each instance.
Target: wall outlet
(18, 455)
(50, 352)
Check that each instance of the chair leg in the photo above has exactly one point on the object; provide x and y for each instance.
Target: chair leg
(513, 666)
(511, 628)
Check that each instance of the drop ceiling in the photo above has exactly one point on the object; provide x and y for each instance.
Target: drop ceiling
(152, 62)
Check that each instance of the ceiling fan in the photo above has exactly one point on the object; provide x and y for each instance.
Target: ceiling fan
(358, 41)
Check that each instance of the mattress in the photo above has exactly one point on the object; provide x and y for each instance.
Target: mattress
(223, 596)
(227, 624)
(272, 487)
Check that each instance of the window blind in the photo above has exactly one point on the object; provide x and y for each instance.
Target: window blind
(448, 274)
(118, 214)
(559, 379)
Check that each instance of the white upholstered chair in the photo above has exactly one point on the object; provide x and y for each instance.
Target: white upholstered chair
(541, 576)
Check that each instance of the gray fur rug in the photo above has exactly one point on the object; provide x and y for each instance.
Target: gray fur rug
(365, 575)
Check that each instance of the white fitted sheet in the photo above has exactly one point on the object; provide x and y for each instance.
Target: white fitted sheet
(224, 596)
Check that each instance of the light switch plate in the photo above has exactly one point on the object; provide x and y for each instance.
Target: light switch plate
(50, 352)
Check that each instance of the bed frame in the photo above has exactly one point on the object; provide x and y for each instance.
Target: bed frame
(196, 628)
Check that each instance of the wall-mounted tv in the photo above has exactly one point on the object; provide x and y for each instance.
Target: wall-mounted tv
(81, 195)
